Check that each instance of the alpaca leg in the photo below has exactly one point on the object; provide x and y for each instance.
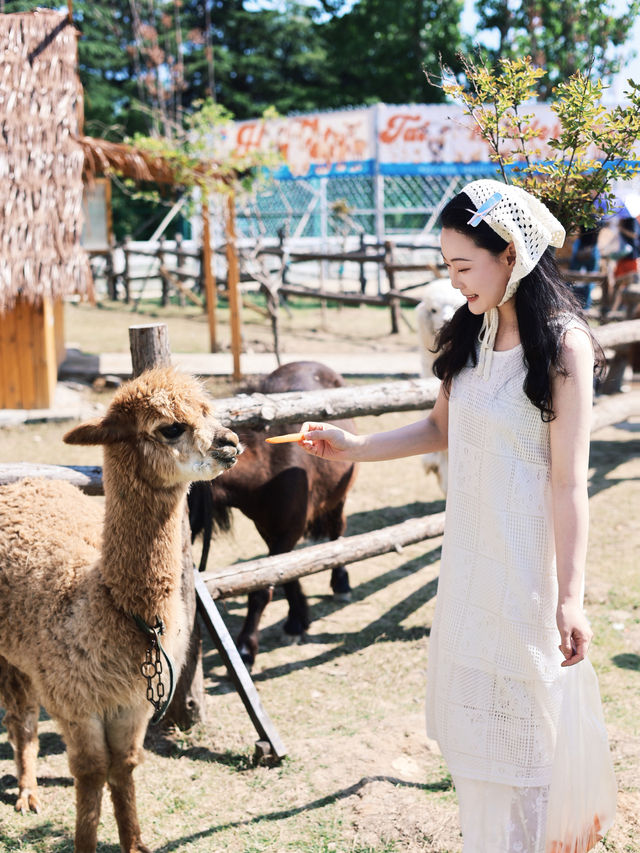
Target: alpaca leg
(247, 641)
(88, 763)
(21, 721)
(125, 736)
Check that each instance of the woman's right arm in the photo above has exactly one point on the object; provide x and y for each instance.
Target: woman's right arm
(425, 436)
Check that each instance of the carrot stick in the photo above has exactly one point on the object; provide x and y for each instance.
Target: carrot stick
(284, 439)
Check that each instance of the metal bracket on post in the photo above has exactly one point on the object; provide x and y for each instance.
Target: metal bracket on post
(237, 670)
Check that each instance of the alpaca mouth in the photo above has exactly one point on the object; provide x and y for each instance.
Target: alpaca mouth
(227, 457)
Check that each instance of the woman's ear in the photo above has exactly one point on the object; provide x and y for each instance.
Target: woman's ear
(509, 254)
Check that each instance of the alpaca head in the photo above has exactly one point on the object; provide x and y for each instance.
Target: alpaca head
(440, 302)
(161, 426)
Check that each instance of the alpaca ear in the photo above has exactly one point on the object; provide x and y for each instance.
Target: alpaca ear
(100, 431)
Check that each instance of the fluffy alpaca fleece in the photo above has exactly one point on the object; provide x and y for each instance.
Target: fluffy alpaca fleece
(440, 302)
(70, 580)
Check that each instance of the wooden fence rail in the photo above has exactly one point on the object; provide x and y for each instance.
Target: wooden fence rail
(174, 275)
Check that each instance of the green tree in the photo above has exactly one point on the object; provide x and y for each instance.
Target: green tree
(378, 50)
(267, 57)
(562, 36)
(594, 148)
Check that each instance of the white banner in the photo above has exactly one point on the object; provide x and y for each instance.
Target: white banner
(404, 139)
(314, 144)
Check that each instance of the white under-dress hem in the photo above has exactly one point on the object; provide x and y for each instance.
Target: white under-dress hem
(497, 818)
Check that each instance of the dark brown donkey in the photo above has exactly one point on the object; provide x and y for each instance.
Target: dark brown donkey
(286, 493)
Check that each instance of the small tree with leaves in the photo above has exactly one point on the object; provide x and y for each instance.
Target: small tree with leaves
(593, 149)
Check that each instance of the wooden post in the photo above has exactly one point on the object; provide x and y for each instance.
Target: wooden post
(233, 280)
(164, 300)
(150, 348)
(394, 304)
(208, 273)
(126, 248)
(58, 330)
(237, 670)
(180, 268)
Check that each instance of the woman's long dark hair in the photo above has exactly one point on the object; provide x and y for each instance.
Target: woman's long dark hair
(543, 301)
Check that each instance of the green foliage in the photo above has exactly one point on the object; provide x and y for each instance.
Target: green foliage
(269, 57)
(378, 48)
(197, 155)
(562, 36)
(594, 147)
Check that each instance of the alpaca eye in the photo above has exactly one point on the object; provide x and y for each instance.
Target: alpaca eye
(172, 430)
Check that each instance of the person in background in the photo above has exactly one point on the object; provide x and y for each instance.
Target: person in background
(627, 259)
(585, 258)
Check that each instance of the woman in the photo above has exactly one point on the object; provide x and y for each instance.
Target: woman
(514, 409)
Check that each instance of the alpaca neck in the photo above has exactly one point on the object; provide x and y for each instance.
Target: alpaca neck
(142, 542)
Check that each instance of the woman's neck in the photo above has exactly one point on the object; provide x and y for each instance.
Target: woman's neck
(508, 335)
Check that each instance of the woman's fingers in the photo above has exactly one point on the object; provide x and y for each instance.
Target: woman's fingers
(578, 649)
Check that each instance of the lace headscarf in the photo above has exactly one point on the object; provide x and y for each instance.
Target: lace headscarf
(521, 219)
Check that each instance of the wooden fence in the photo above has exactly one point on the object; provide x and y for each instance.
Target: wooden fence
(180, 269)
(259, 410)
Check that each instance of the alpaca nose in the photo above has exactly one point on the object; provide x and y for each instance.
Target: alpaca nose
(227, 443)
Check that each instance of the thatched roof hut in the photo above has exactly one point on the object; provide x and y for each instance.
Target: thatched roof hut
(102, 157)
(41, 188)
(41, 170)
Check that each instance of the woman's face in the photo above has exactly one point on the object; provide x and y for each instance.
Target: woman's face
(479, 275)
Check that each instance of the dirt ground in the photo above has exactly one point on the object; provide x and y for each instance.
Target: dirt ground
(348, 702)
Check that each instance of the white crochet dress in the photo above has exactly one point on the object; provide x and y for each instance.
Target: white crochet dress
(494, 678)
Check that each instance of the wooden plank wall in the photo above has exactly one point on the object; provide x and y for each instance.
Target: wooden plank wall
(28, 356)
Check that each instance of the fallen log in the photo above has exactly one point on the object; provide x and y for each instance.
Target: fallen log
(266, 571)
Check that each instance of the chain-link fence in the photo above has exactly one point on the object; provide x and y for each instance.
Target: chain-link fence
(380, 206)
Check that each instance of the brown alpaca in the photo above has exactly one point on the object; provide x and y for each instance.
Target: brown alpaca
(71, 583)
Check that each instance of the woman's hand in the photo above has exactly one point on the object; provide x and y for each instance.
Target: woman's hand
(575, 632)
(329, 442)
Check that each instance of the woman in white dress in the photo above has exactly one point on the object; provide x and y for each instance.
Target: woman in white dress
(514, 410)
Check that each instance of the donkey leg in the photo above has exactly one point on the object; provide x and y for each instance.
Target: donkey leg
(125, 736)
(247, 641)
(340, 584)
(336, 525)
(21, 721)
(298, 618)
(88, 762)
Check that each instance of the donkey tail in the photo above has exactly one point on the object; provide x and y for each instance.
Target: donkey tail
(206, 515)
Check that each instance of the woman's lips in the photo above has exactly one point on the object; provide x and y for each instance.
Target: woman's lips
(472, 298)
